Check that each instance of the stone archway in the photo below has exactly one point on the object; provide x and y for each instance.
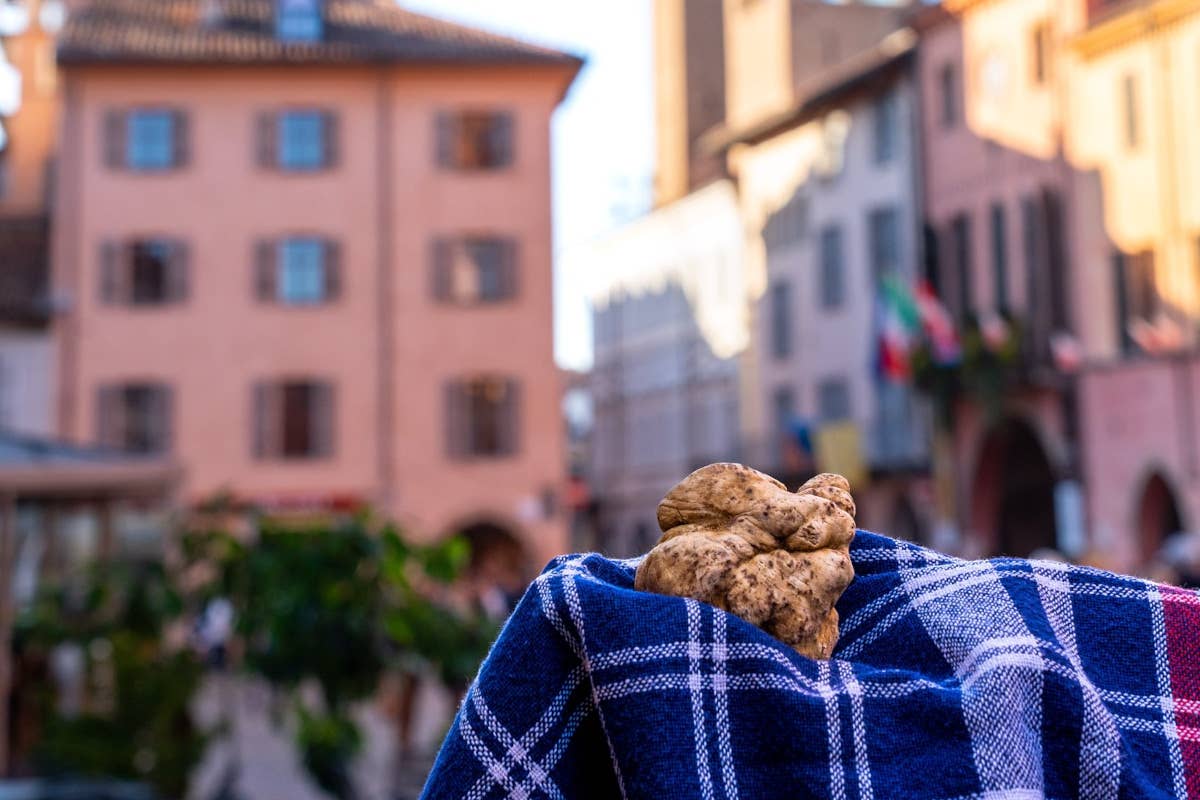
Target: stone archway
(1012, 495)
(1158, 516)
(498, 558)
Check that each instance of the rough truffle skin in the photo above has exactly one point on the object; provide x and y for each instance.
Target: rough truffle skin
(739, 540)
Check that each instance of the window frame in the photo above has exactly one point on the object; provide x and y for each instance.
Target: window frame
(463, 427)
(269, 428)
(121, 144)
(831, 271)
(823, 392)
(450, 140)
(950, 95)
(781, 320)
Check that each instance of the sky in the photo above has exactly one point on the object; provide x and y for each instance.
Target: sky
(603, 133)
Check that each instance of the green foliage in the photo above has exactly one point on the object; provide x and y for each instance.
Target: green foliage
(337, 605)
(138, 724)
(327, 743)
(985, 373)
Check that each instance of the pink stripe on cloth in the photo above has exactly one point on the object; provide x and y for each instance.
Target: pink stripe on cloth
(1181, 613)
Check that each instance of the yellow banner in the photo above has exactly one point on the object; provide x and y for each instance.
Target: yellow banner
(839, 449)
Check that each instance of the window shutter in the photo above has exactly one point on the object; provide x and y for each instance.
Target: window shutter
(182, 140)
(509, 276)
(110, 273)
(264, 270)
(502, 139)
(510, 418)
(267, 430)
(333, 269)
(108, 421)
(331, 139)
(441, 267)
(161, 401)
(114, 138)
(177, 277)
(444, 139)
(457, 421)
(265, 137)
(323, 419)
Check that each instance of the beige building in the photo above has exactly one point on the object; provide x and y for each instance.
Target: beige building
(308, 254)
(689, 94)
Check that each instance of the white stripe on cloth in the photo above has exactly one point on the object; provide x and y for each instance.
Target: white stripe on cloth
(696, 688)
(862, 764)
(1001, 707)
(1162, 673)
(833, 727)
(721, 700)
(1099, 739)
(576, 611)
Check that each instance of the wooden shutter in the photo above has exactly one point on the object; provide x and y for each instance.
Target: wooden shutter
(331, 139)
(445, 131)
(501, 134)
(109, 424)
(178, 268)
(266, 139)
(510, 418)
(509, 268)
(457, 418)
(112, 273)
(333, 269)
(161, 402)
(441, 269)
(113, 143)
(264, 270)
(267, 422)
(323, 419)
(181, 144)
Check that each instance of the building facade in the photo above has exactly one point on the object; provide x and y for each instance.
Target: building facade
(828, 197)
(329, 287)
(668, 327)
(28, 130)
(997, 194)
(1134, 149)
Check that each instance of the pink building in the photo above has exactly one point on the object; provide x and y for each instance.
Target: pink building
(996, 246)
(307, 244)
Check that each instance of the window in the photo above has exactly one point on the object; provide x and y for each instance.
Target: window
(833, 288)
(948, 82)
(1000, 256)
(143, 272)
(293, 419)
(298, 20)
(298, 271)
(1136, 294)
(482, 416)
(960, 244)
(884, 128)
(781, 320)
(297, 140)
(883, 228)
(134, 417)
(783, 403)
(469, 140)
(146, 139)
(1040, 46)
(473, 270)
(788, 224)
(1129, 97)
(833, 400)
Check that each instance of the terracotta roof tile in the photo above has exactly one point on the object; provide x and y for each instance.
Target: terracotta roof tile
(242, 32)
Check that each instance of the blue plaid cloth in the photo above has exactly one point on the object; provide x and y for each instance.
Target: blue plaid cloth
(951, 679)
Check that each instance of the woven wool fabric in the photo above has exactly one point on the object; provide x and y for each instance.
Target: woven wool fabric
(952, 679)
